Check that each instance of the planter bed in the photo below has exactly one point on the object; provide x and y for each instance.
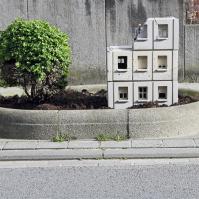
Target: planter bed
(175, 121)
(74, 100)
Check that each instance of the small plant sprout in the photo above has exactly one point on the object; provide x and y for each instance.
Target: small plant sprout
(106, 137)
(63, 137)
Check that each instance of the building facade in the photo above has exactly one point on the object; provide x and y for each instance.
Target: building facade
(148, 71)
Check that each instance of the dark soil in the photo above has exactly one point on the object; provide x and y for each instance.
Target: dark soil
(67, 100)
(73, 100)
(181, 100)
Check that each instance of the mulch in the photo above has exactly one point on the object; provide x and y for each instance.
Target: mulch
(73, 100)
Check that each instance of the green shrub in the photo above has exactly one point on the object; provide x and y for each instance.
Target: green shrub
(35, 55)
(2, 83)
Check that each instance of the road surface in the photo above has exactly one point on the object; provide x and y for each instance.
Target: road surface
(103, 179)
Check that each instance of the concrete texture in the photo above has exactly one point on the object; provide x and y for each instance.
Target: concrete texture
(94, 144)
(90, 123)
(83, 144)
(25, 124)
(47, 154)
(152, 153)
(176, 121)
(128, 79)
(196, 142)
(80, 152)
(184, 143)
(113, 144)
(146, 143)
(92, 88)
(191, 52)
(123, 16)
(108, 153)
(2, 144)
(84, 21)
(189, 86)
(11, 91)
(51, 145)
(103, 23)
(90, 149)
(20, 145)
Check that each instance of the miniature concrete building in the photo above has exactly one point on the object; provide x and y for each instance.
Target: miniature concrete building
(148, 71)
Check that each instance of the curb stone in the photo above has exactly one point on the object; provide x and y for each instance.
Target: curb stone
(62, 154)
(90, 149)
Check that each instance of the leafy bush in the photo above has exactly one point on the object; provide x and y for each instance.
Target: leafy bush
(2, 83)
(36, 56)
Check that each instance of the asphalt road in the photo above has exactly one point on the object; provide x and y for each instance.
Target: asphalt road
(104, 179)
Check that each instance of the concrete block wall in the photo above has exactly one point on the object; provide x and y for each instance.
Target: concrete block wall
(140, 74)
(148, 69)
(93, 25)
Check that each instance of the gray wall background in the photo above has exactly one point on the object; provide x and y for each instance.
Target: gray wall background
(94, 24)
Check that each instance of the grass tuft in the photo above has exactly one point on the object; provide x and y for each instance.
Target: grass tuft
(62, 138)
(106, 137)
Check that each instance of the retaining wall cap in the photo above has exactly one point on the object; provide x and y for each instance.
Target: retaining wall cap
(137, 123)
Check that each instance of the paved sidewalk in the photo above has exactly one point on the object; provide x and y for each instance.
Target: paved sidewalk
(90, 149)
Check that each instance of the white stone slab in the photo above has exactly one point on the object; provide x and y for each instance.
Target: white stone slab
(115, 144)
(20, 145)
(51, 145)
(146, 143)
(178, 143)
(61, 154)
(152, 153)
(83, 144)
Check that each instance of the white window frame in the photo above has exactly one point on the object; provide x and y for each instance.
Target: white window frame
(123, 90)
(143, 93)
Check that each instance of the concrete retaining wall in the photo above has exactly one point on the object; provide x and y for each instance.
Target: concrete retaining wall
(179, 121)
(25, 124)
(191, 52)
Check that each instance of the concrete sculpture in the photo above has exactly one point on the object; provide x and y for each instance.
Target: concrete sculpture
(148, 71)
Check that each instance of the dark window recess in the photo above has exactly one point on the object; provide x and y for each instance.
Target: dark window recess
(162, 62)
(142, 62)
(163, 30)
(162, 92)
(122, 62)
(162, 67)
(162, 96)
